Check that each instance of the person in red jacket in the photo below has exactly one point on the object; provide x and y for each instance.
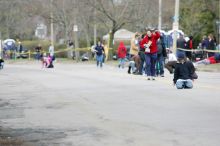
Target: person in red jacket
(122, 52)
(149, 43)
(211, 60)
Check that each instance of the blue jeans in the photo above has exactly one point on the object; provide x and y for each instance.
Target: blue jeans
(150, 63)
(121, 62)
(181, 84)
(38, 56)
(99, 60)
(160, 65)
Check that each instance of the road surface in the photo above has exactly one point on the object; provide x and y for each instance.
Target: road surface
(81, 105)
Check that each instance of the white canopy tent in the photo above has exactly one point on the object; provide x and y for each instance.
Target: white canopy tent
(121, 34)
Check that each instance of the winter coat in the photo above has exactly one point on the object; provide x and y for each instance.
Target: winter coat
(122, 51)
(161, 48)
(181, 43)
(211, 45)
(183, 71)
(205, 43)
(134, 46)
(154, 37)
(99, 50)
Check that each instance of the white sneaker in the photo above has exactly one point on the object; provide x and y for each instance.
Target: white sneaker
(153, 78)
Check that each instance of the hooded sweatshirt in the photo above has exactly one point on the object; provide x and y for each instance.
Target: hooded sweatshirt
(122, 52)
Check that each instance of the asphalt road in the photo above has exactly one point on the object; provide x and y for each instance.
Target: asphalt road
(81, 105)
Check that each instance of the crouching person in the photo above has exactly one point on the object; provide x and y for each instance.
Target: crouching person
(183, 73)
(134, 64)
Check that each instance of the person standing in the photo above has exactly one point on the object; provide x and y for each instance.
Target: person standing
(51, 50)
(122, 52)
(134, 49)
(99, 50)
(20, 47)
(181, 44)
(38, 50)
(211, 45)
(149, 43)
(204, 46)
(189, 47)
(161, 55)
(134, 45)
(141, 55)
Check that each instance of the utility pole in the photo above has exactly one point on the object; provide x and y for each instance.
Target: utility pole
(51, 23)
(95, 29)
(175, 25)
(75, 31)
(160, 19)
(0, 45)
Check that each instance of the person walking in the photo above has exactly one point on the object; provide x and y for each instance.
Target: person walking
(99, 50)
(122, 52)
(149, 43)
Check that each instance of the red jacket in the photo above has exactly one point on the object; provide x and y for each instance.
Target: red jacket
(122, 51)
(154, 38)
(212, 60)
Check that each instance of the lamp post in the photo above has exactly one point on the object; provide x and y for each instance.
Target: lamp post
(95, 28)
(175, 25)
(0, 45)
(160, 19)
(75, 30)
(51, 23)
(218, 31)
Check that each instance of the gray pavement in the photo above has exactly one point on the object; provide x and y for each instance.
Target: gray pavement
(81, 105)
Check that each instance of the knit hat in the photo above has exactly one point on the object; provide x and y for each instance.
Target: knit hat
(181, 55)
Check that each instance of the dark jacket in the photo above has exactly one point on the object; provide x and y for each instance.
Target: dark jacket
(211, 45)
(161, 47)
(181, 43)
(99, 50)
(183, 71)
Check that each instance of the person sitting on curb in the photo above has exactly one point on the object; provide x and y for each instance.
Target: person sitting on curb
(183, 73)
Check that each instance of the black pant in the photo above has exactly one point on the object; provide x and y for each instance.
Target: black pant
(142, 56)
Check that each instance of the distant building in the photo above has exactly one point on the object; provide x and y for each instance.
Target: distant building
(41, 31)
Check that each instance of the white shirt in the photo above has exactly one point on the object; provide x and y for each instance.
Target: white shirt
(51, 50)
(172, 57)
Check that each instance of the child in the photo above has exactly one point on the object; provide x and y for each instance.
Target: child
(122, 52)
(46, 61)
